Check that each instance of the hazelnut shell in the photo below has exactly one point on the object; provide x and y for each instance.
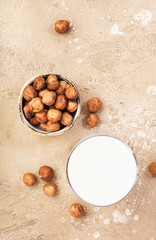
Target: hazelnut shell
(39, 83)
(33, 121)
(152, 167)
(61, 102)
(29, 93)
(53, 127)
(71, 93)
(36, 104)
(52, 82)
(46, 173)
(62, 26)
(29, 179)
(94, 104)
(76, 210)
(92, 120)
(27, 112)
(66, 119)
(41, 116)
(54, 115)
(50, 189)
(49, 98)
(72, 106)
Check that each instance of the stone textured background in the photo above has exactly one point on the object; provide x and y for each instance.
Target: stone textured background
(110, 52)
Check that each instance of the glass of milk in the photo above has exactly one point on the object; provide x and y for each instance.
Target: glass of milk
(102, 170)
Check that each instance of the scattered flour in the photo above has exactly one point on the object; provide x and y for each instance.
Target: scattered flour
(141, 134)
(106, 221)
(118, 217)
(69, 41)
(78, 47)
(115, 30)
(76, 40)
(151, 90)
(133, 231)
(96, 209)
(79, 60)
(144, 16)
(136, 217)
(62, 219)
(128, 212)
(96, 235)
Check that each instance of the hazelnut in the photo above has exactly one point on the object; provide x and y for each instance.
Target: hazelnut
(33, 121)
(36, 104)
(41, 117)
(94, 104)
(27, 112)
(46, 173)
(72, 106)
(66, 119)
(52, 82)
(152, 167)
(71, 93)
(29, 179)
(29, 93)
(92, 120)
(76, 210)
(54, 115)
(49, 98)
(50, 189)
(61, 102)
(39, 83)
(41, 93)
(61, 89)
(53, 127)
(43, 126)
(62, 26)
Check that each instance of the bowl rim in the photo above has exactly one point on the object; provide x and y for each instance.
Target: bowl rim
(33, 128)
(105, 135)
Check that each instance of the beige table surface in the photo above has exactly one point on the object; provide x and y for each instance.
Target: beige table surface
(117, 63)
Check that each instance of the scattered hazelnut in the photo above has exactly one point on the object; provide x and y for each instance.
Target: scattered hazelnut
(92, 120)
(94, 104)
(53, 127)
(71, 93)
(152, 167)
(36, 104)
(52, 82)
(43, 126)
(54, 115)
(76, 210)
(61, 89)
(62, 26)
(49, 98)
(39, 83)
(46, 173)
(27, 112)
(41, 116)
(29, 93)
(50, 189)
(72, 106)
(41, 93)
(29, 179)
(66, 119)
(61, 102)
(33, 121)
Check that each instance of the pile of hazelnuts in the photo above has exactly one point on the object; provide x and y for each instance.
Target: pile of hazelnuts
(46, 173)
(50, 103)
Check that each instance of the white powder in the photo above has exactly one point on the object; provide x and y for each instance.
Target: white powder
(106, 221)
(151, 90)
(144, 16)
(96, 209)
(133, 231)
(136, 217)
(76, 40)
(118, 217)
(141, 134)
(69, 41)
(62, 219)
(115, 30)
(79, 60)
(78, 47)
(106, 165)
(128, 212)
(96, 235)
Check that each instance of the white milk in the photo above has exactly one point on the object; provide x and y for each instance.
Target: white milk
(102, 170)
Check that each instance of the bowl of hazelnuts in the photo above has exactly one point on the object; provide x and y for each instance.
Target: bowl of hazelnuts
(49, 104)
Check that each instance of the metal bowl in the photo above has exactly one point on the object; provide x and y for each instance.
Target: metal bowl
(37, 129)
